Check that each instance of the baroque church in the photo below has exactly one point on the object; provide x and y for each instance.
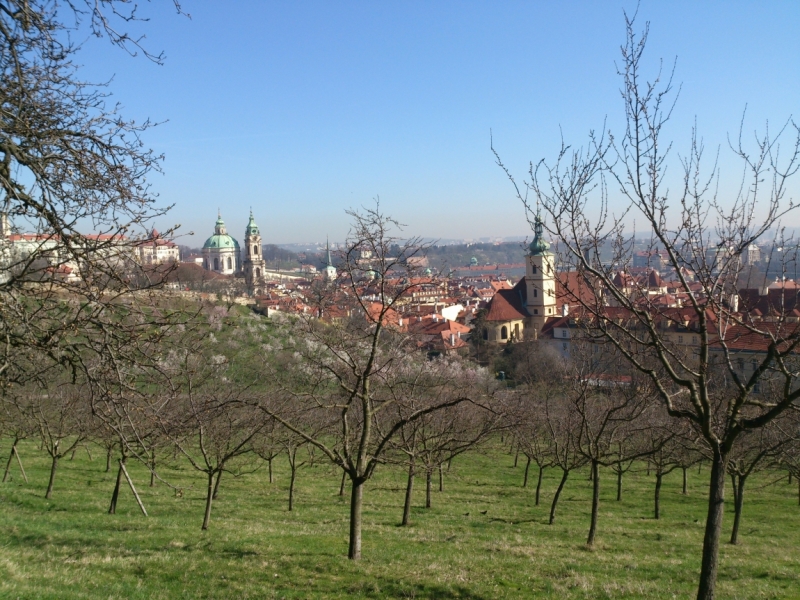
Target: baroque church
(222, 254)
(521, 312)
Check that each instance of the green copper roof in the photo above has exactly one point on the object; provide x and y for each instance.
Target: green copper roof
(220, 239)
(252, 228)
(539, 246)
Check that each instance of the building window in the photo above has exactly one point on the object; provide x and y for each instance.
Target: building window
(216, 264)
(258, 273)
(694, 339)
(485, 333)
(536, 311)
(533, 269)
(230, 265)
(680, 339)
(205, 264)
(535, 293)
(563, 333)
(504, 333)
(255, 250)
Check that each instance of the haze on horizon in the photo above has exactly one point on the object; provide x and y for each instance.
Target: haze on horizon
(303, 110)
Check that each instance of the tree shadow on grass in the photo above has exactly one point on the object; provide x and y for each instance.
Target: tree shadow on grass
(390, 588)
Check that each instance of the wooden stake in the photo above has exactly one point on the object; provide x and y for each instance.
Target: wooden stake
(133, 489)
(19, 462)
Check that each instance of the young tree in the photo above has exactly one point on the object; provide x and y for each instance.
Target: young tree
(356, 362)
(211, 424)
(756, 451)
(563, 426)
(438, 437)
(607, 403)
(702, 236)
(59, 416)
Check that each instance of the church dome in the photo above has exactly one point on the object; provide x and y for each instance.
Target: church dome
(252, 228)
(220, 239)
(539, 245)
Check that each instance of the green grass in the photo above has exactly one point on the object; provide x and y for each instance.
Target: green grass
(70, 548)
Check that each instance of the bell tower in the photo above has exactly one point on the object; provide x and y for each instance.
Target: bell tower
(540, 279)
(253, 263)
(330, 270)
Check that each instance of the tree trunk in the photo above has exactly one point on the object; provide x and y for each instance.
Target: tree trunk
(684, 491)
(14, 452)
(112, 510)
(539, 485)
(216, 485)
(8, 464)
(354, 551)
(53, 467)
(657, 507)
(341, 486)
(409, 491)
(738, 501)
(209, 498)
(527, 468)
(619, 483)
(441, 478)
(427, 488)
(516, 458)
(716, 508)
(595, 502)
(292, 476)
(72, 456)
(558, 493)
(153, 473)
(108, 458)
(269, 466)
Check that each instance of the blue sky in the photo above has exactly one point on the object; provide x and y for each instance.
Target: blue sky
(304, 109)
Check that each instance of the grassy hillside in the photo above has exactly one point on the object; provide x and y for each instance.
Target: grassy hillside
(70, 548)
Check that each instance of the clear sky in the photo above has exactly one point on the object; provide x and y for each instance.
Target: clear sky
(303, 109)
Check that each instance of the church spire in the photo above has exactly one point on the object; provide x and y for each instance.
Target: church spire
(330, 270)
(538, 245)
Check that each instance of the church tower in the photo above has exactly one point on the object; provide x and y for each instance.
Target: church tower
(540, 279)
(330, 270)
(253, 263)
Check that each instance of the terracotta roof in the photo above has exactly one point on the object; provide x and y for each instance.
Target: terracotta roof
(508, 305)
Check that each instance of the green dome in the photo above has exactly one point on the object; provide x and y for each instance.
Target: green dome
(252, 228)
(538, 246)
(221, 239)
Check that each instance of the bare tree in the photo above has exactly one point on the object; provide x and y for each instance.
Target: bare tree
(702, 236)
(757, 450)
(563, 426)
(607, 402)
(68, 161)
(208, 417)
(59, 416)
(353, 362)
(436, 438)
